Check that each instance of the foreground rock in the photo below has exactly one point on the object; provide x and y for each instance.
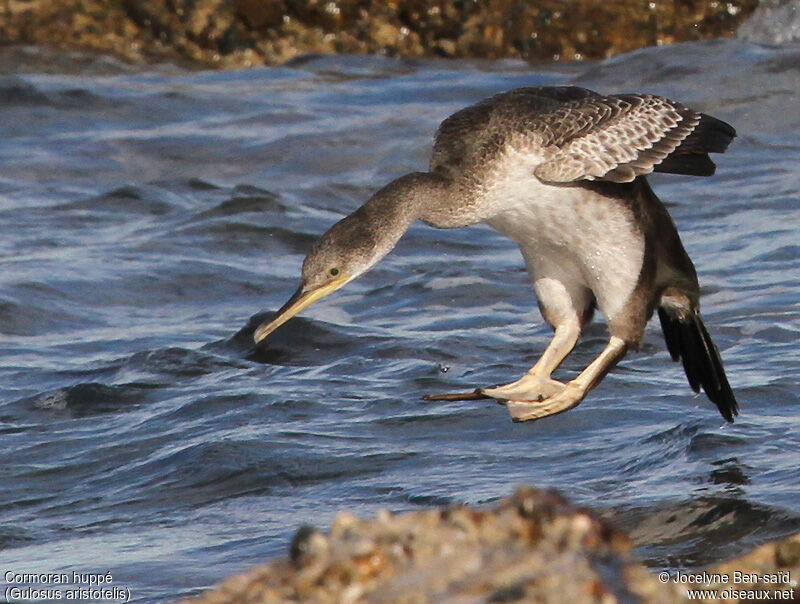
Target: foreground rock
(530, 548)
(533, 547)
(236, 33)
(767, 574)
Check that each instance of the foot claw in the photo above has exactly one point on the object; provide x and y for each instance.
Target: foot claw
(529, 388)
(526, 399)
(523, 411)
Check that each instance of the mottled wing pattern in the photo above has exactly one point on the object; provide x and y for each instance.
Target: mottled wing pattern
(614, 138)
(470, 136)
(581, 135)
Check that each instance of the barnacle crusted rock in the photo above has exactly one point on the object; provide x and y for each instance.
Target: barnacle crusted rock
(532, 547)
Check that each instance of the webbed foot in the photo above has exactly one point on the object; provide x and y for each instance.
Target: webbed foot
(528, 388)
(570, 396)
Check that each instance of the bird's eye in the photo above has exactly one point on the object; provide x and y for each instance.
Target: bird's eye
(333, 272)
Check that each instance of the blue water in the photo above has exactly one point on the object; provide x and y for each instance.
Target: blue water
(147, 215)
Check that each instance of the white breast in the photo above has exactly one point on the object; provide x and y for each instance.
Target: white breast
(568, 233)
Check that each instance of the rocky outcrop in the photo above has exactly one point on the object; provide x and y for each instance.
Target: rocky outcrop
(236, 33)
(531, 548)
(767, 574)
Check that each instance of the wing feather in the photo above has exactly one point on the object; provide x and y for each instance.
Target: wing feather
(577, 134)
(627, 135)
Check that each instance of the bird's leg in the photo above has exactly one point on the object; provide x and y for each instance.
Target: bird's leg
(537, 385)
(574, 391)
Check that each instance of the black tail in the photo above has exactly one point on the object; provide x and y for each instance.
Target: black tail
(687, 339)
(691, 156)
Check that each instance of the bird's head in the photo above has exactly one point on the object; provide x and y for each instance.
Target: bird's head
(348, 249)
(356, 243)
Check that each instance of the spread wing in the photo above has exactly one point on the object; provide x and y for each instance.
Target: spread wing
(582, 135)
(468, 138)
(620, 137)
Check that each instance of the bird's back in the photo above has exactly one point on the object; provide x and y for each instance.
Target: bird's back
(578, 135)
(471, 135)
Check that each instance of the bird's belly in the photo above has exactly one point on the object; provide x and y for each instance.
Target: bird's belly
(578, 237)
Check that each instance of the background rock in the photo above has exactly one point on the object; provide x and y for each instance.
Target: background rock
(239, 33)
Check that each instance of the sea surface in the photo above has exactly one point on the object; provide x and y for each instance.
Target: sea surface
(150, 217)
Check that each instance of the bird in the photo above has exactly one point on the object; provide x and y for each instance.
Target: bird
(560, 170)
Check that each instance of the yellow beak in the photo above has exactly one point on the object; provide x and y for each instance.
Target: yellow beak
(298, 302)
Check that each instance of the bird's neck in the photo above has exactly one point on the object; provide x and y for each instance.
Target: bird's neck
(425, 196)
(376, 227)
